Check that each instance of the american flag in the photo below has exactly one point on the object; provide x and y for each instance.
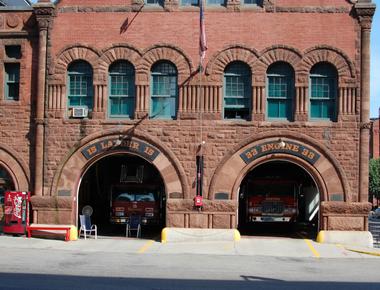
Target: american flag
(202, 32)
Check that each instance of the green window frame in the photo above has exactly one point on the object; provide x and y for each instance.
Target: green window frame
(189, 2)
(121, 90)
(323, 91)
(237, 91)
(154, 2)
(80, 86)
(280, 91)
(12, 81)
(164, 91)
(216, 2)
(250, 2)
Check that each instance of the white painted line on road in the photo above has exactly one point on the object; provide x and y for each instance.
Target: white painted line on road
(312, 249)
(145, 247)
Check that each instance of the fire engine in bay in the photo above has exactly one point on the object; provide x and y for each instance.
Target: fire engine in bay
(135, 199)
(271, 200)
(136, 196)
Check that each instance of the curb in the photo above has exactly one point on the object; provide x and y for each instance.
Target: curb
(198, 235)
(350, 238)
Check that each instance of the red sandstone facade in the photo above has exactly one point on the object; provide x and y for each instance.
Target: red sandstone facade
(374, 149)
(41, 147)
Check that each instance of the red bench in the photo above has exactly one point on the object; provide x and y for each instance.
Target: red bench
(50, 228)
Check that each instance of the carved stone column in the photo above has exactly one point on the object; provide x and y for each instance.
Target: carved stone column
(301, 102)
(44, 12)
(364, 12)
(171, 5)
(233, 5)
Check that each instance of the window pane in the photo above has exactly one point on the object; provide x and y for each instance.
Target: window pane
(12, 78)
(189, 2)
(323, 91)
(115, 106)
(74, 101)
(154, 2)
(164, 90)
(273, 109)
(13, 51)
(237, 90)
(122, 84)
(13, 91)
(215, 2)
(235, 113)
(280, 90)
(80, 84)
(163, 107)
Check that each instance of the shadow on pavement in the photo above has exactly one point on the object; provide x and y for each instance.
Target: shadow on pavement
(60, 282)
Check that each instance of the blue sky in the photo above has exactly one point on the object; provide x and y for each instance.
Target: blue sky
(375, 62)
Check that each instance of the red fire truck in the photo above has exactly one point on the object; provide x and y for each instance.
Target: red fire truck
(271, 200)
(136, 199)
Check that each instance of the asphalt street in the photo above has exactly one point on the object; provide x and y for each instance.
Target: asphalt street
(126, 263)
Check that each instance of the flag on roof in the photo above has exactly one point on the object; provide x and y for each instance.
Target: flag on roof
(202, 32)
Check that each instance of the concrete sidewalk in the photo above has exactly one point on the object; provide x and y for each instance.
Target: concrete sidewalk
(247, 246)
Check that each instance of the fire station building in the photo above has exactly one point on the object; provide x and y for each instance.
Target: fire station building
(99, 94)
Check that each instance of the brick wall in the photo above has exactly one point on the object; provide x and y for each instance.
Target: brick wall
(16, 117)
(374, 150)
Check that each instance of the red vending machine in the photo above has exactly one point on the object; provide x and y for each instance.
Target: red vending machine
(16, 212)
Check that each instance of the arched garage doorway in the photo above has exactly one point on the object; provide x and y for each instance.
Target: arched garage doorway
(118, 186)
(6, 183)
(278, 196)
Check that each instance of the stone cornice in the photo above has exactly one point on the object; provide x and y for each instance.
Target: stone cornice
(44, 13)
(364, 12)
(232, 6)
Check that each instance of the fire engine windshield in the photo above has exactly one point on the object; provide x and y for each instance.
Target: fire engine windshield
(273, 189)
(134, 196)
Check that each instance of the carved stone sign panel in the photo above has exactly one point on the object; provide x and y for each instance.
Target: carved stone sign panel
(288, 147)
(133, 145)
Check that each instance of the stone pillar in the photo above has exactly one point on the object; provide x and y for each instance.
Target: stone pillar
(233, 5)
(44, 12)
(364, 11)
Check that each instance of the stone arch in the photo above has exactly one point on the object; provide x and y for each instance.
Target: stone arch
(231, 53)
(274, 54)
(16, 167)
(326, 171)
(118, 52)
(334, 56)
(165, 52)
(70, 54)
(74, 165)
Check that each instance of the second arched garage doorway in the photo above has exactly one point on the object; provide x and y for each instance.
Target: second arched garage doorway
(278, 197)
(118, 186)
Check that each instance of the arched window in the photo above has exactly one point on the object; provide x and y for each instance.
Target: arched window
(237, 91)
(323, 91)
(280, 91)
(164, 91)
(80, 88)
(121, 90)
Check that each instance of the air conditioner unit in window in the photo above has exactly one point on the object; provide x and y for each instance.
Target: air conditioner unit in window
(79, 112)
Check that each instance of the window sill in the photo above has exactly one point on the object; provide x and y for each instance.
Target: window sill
(12, 103)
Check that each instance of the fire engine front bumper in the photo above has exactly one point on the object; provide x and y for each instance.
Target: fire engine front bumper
(270, 218)
(124, 220)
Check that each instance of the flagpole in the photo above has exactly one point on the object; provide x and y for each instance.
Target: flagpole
(202, 54)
